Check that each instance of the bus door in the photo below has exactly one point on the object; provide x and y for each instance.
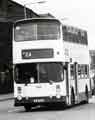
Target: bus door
(71, 72)
(76, 80)
(67, 78)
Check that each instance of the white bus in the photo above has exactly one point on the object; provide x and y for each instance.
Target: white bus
(50, 62)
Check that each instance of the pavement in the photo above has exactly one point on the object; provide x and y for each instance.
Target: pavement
(5, 97)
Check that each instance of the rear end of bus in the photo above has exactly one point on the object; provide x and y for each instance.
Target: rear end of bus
(38, 63)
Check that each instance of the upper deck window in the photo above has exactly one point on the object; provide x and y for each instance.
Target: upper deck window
(39, 30)
(74, 35)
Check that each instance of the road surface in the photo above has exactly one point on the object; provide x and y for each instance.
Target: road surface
(79, 112)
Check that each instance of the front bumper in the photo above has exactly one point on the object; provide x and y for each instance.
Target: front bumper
(39, 100)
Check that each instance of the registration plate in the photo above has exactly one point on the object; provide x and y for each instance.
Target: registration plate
(39, 100)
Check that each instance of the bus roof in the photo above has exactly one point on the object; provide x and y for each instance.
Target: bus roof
(36, 19)
(55, 19)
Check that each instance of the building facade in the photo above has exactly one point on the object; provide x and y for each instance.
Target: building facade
(9, 12)
(92, 59)
(92, 69)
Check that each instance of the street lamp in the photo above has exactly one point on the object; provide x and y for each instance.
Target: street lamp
(25, 9)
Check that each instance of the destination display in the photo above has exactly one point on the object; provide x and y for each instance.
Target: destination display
(37, 53)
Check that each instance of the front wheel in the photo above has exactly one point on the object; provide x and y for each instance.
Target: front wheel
(27, 108)
(72, 97)
(86, 94)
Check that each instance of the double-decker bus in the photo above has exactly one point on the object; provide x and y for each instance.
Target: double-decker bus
(50, 63)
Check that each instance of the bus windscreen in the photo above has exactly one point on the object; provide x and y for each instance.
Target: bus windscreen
(31, 31)
(40, 72)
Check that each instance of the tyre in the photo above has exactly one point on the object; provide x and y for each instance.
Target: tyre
(86, 94)
(72, 97)
(27, 108)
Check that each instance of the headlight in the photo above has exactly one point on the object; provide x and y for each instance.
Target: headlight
(58, 96)
(19, 97)
(58, 90)
(19, 90)
(31, 80)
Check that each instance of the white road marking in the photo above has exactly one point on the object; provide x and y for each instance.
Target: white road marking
(92, 100)
(14, 110)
